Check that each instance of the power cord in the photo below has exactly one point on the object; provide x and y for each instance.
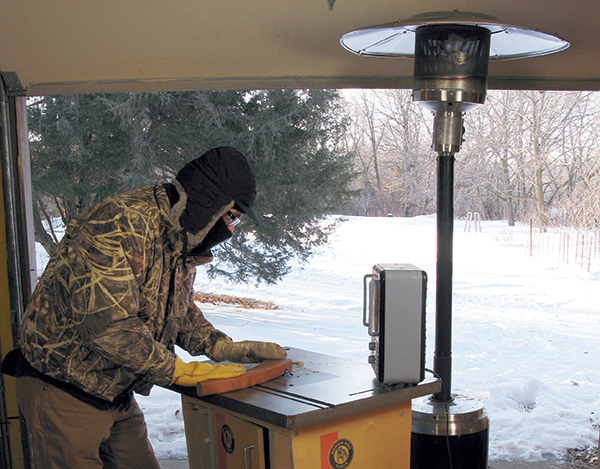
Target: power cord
(447, 416)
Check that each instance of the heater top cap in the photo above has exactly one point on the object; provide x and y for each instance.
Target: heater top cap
(397, 39)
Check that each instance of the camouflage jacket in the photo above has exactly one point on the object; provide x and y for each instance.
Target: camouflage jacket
(114, 298)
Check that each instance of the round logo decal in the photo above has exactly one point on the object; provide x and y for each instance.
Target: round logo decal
(340, 454)
(227, 438)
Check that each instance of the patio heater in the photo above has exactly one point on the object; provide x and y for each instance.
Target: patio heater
(451, 52)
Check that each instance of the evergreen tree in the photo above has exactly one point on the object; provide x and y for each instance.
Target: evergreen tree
(87, 147)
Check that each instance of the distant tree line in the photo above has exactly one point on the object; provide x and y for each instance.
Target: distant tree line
(528, 155)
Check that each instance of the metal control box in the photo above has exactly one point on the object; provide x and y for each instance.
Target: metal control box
(394, 313)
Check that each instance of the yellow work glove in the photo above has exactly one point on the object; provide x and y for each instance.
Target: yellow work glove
(247, 351)
(188, 374)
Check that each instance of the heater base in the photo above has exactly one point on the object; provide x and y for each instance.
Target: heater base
(461, 434)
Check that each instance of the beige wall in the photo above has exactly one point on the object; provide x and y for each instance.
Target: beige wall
(86, 45)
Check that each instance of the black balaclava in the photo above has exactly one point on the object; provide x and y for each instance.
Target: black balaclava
(218, 180)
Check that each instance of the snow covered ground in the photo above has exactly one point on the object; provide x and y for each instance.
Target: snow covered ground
(525, 328)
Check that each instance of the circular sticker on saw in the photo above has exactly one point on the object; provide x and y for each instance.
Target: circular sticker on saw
(227, 438)
(341, 454)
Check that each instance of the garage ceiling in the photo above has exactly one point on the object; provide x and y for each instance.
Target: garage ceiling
(67, 46)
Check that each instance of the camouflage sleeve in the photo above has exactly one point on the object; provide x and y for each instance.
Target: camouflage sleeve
(197, 335)
(104, 296)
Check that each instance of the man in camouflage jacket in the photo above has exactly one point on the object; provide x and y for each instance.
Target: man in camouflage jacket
(115, 298)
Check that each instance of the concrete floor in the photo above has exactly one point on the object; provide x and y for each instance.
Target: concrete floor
(183, 464)
(174, 464)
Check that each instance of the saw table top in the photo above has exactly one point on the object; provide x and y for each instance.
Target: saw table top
(320, 387)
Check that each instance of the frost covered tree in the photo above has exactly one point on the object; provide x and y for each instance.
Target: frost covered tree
(390, 138)
(530, 150)
(526, 155)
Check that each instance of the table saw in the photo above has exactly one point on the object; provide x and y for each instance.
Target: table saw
(325, 413)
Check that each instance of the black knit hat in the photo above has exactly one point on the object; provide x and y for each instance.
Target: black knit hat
(215, 178)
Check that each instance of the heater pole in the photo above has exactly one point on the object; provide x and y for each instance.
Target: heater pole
(442, 363)
(447, 140)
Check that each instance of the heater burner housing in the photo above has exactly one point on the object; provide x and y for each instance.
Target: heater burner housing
(451, 67)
